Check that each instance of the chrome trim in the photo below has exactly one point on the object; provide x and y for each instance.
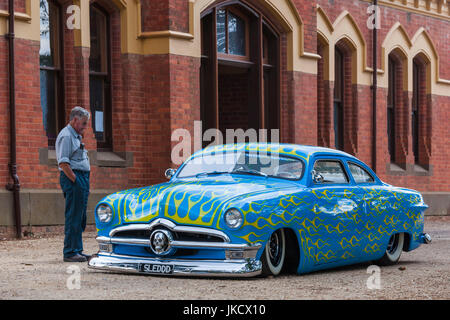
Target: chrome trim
(215, 245)
(240, 254)
(162, 245)
(169, 173)
(139, 242)
(210, 268)
(183, 244)
(426, 238)
(171, 226)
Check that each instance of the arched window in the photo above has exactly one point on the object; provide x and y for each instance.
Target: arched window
(391, 106)
(324, 97)
(345, 111)
(100, 76)
(338, 109)
(51, 69)
(417, 97)
(240, 70)
(232, 33)
(420, 115)
(398, 113)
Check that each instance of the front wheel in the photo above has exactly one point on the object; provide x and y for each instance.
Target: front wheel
(393, 251)
(274, 254)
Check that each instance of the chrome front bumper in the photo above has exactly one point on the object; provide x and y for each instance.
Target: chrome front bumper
(240, 259)
(209, 268)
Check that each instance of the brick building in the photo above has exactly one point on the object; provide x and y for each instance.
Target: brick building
(145, 68)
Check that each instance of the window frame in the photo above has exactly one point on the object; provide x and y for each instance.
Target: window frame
(338, 99)
(344, 169)
(391, 108)
(415, 109)
(349, 162)
(229, 56)
(280, 155)
(267, 113)
(107, 143)
(57, 70)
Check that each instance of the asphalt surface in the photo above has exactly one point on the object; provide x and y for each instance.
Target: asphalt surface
(33, 269)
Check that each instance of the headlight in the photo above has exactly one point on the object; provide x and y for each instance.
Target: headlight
(104, 213)
(233, 218)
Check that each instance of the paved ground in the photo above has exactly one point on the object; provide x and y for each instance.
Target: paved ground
(33, 269)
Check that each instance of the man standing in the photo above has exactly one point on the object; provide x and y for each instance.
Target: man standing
(74, 168)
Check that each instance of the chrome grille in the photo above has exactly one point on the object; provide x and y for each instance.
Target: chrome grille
(179, 236)
(142, 232)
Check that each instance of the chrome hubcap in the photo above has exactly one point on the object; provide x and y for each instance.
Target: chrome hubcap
(393, 244)
(275, 248)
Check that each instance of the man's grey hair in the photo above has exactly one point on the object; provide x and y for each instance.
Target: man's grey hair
(80, 113)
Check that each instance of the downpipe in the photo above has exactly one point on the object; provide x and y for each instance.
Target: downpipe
(374, 90)
(15, 186)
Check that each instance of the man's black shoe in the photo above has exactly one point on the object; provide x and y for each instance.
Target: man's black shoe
(87, 256)
(76, 258)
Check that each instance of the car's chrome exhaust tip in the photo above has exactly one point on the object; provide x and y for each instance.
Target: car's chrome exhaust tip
(426, 238)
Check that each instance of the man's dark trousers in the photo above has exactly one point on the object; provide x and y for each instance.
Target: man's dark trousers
(76, 195)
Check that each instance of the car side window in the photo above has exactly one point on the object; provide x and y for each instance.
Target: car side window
(360, 174)
(330, 171)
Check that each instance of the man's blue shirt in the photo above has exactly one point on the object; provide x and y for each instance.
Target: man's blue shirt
(69, 149)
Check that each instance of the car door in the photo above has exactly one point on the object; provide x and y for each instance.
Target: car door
(376, 223)
(339, 205)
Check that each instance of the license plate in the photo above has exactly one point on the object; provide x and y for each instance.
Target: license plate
(156, 268)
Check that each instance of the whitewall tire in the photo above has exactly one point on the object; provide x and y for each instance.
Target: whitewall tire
(393, 250)
(274, 254)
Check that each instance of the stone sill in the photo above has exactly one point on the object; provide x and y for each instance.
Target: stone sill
(97, 158)
(408, 170)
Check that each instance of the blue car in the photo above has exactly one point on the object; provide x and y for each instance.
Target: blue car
(248, 209)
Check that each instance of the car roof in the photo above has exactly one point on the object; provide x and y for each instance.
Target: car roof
(295, 150)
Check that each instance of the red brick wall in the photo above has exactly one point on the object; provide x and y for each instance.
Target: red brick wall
(156, 94)
(19, 5)
(184, 98)
(437, 28)
(438, 107)
(154, 15)
(30, 135)
(305, 108)
(179, 15)
(173, 102)
(4, 111)
(307, 11)
(165, 15)
(287, 99)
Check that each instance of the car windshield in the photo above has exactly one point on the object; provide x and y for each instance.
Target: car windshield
(261, 164)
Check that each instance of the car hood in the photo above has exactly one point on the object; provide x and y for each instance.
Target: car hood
(188, 201)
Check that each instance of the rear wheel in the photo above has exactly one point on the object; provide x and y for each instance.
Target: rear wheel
(394, 250)
(274, 254)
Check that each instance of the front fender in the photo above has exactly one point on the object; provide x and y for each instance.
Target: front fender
(264, 213)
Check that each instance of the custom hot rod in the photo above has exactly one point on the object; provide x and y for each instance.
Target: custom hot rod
(258, 208)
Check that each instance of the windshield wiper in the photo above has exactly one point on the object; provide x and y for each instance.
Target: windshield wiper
(210, 173)
(250, 171)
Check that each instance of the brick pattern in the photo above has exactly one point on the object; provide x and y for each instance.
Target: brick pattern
(154, 15)
(305, 101)
(156, 94)
(19, 5)
(31, 136)
(437, 28)
(179, 15)
(4, 111)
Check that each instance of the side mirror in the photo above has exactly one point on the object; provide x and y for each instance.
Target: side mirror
(170, 173)
(316, 177)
